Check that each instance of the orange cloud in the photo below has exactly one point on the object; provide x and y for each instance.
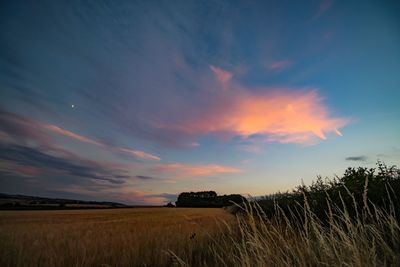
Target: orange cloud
(189, 170)
(279, 115)
(284, 116)
(128, 151)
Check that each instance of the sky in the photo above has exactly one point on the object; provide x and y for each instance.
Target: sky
(137, 101)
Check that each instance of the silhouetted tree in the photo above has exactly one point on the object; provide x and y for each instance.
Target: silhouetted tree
(357, 187)
(207, 199)
(169, 205)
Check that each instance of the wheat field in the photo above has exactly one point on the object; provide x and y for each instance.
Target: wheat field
(198, 237)
(109, 237)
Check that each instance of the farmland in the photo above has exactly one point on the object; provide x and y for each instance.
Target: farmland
(115, 237)
(198, 237)
(350, 221)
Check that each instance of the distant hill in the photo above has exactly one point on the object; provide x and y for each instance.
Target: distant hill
(12, 202)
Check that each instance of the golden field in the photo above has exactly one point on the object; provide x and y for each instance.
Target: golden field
(108, 237)
(199, 237)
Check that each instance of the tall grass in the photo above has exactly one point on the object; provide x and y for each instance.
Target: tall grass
(370, 238)
(348, 221)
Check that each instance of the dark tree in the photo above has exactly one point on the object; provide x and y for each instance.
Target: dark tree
(207, 199)
(169, 205)
(358, 189)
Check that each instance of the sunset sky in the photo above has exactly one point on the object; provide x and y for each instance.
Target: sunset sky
(137, 101)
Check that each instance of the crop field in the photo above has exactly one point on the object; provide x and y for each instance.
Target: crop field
(317, 230)
(108, 237)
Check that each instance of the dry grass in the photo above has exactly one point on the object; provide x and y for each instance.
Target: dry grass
(164, 237)
(372, 238)
(115, 237)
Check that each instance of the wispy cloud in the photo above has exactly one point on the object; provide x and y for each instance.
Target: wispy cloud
(280, 65)
(14, 169)
(324, 6)
(62, 173)
(357, 158)
(144, 177)
(126, 195)
(38, 161)
(70, 134)
(137, 153)
(221, 75)
(23, 129)
(28, 150)
(128, 151)
(185, 106)
(192, 170)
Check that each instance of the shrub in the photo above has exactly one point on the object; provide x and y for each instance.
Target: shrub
(357, 190)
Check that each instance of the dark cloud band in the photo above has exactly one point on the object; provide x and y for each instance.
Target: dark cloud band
(357, 158)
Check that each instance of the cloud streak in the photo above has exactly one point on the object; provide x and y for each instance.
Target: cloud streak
(144, 177)
(23, 129)
(192, 170)
(33, 161)
(324, 6)
(280, 65)
(58, 130)
(357, 158)
(127, 151)
(221, 75)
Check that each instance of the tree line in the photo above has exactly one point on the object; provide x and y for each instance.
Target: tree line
(207, 199)
(357, 191)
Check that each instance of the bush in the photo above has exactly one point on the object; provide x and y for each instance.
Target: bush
(357, 190)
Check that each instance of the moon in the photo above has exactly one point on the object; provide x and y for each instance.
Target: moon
(72, 106)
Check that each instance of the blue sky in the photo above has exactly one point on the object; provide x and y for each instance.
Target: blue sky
(138, 101)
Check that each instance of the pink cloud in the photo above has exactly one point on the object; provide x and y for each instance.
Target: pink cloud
(138, 153)
(278, 114)
(70, 134)
(21, 170)
(29, 170)
(221, 75)
(22, 130)
(280, 65)
(191, 170)
(128, 151)
(119, 194)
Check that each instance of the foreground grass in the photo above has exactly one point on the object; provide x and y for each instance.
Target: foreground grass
(115, 237)
(372, 238)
